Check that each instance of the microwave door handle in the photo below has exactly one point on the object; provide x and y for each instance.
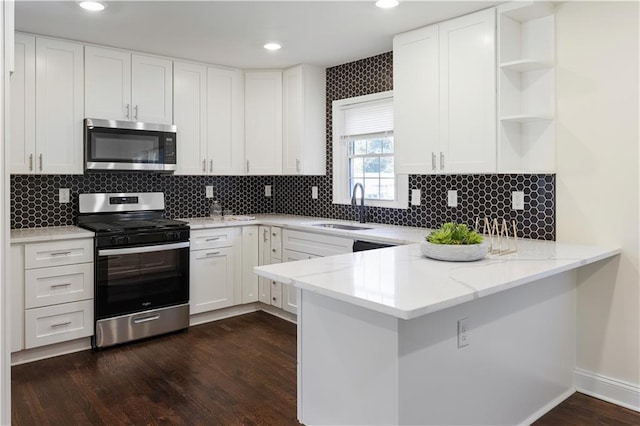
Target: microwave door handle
(146, 249)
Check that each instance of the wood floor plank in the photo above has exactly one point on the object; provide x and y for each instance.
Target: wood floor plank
(237, 371)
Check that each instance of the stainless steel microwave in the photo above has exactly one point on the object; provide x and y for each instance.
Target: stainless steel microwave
(111, 145)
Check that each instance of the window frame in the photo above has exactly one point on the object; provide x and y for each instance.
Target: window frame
(341, 190)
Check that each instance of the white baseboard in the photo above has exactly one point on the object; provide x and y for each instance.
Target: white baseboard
(548, 407)
(50, 351)
(607, 389)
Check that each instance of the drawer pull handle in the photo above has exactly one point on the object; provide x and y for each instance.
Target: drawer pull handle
(60, 285)
(213, 239)
(146, 319)
(213, 253)
(60, 324)
(60, 253)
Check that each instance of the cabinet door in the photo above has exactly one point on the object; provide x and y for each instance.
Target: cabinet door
(225, 121)
(151, 89)
(304, 120)
(15, 290)
(289, 292)
(107, 84)
(468, 95)
(264, 253)
(59, 106)
(263, 122)
(22, 149)
(211, 279)
(190, 113)
(416, 101)
(250, 258)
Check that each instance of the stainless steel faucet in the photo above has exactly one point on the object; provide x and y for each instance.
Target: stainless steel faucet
(362, 212)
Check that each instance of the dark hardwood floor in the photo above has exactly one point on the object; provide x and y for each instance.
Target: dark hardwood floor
(236, 371)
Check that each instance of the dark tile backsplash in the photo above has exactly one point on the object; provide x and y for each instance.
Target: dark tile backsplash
(34, 199)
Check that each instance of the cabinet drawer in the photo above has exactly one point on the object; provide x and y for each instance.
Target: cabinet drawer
(316, 244)
(213, 238)
(276, 243)
(58, 253)
(59, 284)
(58, 323)
(276, 294)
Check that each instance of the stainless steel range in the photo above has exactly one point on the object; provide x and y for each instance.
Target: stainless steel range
(141, 266)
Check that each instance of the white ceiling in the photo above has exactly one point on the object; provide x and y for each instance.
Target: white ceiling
(232, 33)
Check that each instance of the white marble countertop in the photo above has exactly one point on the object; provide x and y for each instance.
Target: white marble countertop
(399, 281)
(49, 233)
(379, 232)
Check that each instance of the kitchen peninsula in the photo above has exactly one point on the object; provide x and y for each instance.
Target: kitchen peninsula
(381, 341)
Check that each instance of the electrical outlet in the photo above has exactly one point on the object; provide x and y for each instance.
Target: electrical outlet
(415, 197)
(452, 198)
(463, 332)
(267, 190)
(208, 191)
(314, 192)
(63, 195)
(517, 200)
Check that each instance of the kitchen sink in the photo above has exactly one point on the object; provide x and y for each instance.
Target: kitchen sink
(340, 226)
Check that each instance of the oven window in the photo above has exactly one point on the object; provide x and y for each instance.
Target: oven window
(134, 282)
(125, 148)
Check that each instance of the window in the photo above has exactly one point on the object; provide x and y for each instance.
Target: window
(363, 149)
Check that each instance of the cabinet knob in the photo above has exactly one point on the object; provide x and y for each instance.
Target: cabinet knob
(274, 299)
(273, 250)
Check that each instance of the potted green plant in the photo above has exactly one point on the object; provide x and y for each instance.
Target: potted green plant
(455, 243)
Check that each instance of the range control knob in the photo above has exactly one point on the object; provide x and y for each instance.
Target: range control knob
(114, 240)
(125, 239)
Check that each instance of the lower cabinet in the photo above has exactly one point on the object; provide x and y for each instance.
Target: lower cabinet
(51, 292)
(214, 268)
(250, 258)
(270, 251)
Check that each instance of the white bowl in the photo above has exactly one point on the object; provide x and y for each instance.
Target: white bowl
(454, 252)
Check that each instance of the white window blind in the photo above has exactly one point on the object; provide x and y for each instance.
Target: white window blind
(368, 118)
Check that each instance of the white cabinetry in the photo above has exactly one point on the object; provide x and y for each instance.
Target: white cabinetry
(214, 267)
(444, 97)
(190, 117)
(225, 121)
(250, 258)
(304, 125)
(270, 251)
(299, 245)
(47, 84)
(57, 302)
(526, 87)
(263, 122)
(125, 86)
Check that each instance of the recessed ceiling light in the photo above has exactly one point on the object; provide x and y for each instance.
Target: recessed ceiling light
(272, 46)
(93, 6)
(387, 4)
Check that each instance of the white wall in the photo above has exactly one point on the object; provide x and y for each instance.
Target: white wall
(597, 178)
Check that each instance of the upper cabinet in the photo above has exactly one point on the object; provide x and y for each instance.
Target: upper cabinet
(225, 121)
(526, 87)
(263, 122)
(190, 117)
(130, 87)
(444, 97)
(47, 84)
(304, 120)
(208, 113)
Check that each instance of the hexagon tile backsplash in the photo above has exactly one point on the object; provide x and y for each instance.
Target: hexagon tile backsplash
(34, 199)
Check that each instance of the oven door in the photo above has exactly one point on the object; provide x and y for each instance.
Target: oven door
(134, 279)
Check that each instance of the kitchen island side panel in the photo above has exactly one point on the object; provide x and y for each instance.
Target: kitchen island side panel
(518, 364)
(348, 363)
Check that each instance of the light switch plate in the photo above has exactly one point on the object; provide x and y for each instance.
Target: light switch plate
(314, 192)
(452, 198)
(64, 195)
(517, 200)
(267, 190)
(415, 197)
(208, 190)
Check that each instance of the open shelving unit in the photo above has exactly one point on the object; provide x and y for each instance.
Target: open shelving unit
(526, 87)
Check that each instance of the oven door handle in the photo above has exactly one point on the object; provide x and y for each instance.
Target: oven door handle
(145, 249)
